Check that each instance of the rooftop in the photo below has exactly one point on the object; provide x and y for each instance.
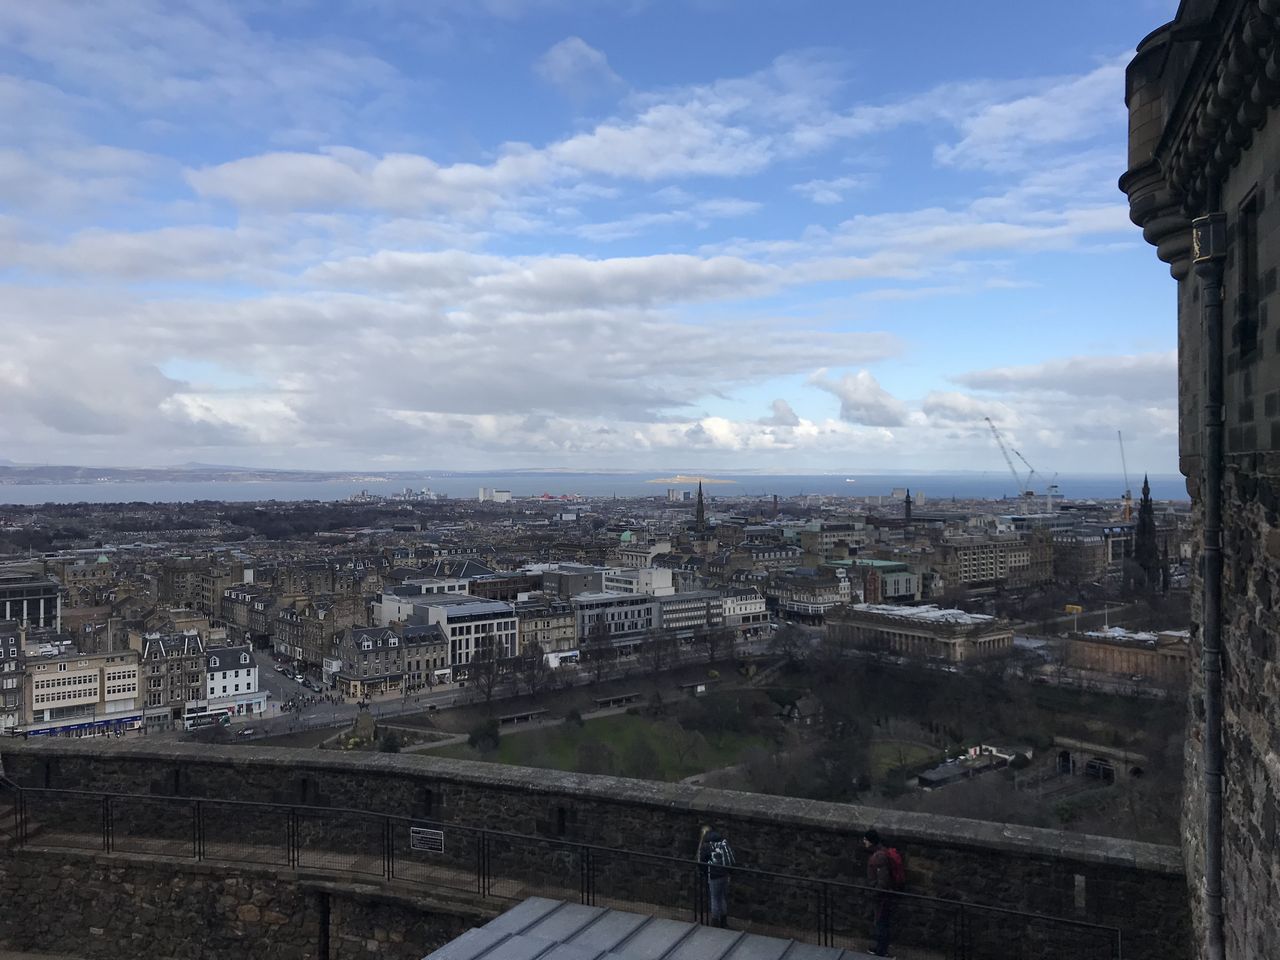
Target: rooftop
(928, 613)
(542, 929)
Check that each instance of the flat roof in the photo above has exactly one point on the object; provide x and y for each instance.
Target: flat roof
(543, 929)
(925, 614)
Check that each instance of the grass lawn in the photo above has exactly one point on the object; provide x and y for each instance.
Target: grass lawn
(623, 744)
(886, 754)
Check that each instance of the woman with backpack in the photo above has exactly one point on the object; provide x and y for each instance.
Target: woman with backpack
(885, 872)
(714, 851)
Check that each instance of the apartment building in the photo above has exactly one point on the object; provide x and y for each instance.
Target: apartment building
(172, 684)
(81, 694)
(13, 665)
(806, 593)
(745, 610)
(232, 679)
(547, 621)
(372, 662)
(426, 655)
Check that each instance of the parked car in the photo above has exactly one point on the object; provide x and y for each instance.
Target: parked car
(246, 732)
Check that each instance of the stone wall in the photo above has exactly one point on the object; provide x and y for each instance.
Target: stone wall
(1204, 105)
(1137, 887)
(107, 907)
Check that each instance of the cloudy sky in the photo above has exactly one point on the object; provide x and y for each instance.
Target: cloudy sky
(784, 234)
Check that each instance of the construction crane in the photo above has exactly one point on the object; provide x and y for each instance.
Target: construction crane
(1013, 472)
(1127, 499)
(1031, 472)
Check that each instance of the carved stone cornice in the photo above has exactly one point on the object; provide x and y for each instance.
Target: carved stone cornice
(1237, 77)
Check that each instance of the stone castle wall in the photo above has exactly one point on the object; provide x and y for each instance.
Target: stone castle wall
(1204, 106)
(104, 907)
(1137, 887)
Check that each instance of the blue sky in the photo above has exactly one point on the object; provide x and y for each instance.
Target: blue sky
(617, 233)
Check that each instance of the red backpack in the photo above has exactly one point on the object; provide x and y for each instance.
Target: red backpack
(897, 869)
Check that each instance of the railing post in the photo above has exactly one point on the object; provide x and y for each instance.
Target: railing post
(196, 811)
(106, 823)
(1118, 946)
(294, 841)
(388, 866)
(962, 931)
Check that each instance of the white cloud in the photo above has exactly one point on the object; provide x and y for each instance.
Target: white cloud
(862, 399)
(577, 69)
(829, 191)
(1146, 377)
(782, 416)
(1003, 135)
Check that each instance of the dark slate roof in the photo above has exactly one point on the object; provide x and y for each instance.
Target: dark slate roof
(541, 929)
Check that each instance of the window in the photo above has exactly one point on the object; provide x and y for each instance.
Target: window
(213, 661)
(1246, 329)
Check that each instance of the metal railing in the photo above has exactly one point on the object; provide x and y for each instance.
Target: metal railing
(507, 867)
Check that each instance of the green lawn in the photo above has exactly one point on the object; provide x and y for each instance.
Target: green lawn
(624, 744)
(887, 754)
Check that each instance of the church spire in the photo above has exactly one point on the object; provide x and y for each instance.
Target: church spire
(701, 515)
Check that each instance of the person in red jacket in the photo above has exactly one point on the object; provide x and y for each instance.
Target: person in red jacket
(880, 876)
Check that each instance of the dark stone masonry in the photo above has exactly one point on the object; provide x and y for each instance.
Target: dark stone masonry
(1137, 887)
(1203, 94)
(111, 908)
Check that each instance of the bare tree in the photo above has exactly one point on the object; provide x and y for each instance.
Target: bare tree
(657, 653)
(487, 670)
(788, 641)
(597, 648)
(534, 669)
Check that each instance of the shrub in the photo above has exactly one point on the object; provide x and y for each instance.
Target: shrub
(485, 735)
(574, 716)
(390, 743)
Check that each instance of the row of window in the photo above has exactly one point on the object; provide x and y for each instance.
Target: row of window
(122, 688)
(62, 695)
(76, 681)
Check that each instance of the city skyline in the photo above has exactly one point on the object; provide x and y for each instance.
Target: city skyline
(527, 232)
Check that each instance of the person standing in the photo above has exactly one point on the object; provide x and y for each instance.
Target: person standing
(885, 874)
(715, 853)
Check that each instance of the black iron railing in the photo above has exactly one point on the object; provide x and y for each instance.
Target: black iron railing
(449, 857)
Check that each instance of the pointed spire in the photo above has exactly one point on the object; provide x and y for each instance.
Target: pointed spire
(701, 515)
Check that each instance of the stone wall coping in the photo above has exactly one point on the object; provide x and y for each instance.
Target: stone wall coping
(902, 828)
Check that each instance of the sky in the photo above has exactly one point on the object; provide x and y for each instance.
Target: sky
(784, 235)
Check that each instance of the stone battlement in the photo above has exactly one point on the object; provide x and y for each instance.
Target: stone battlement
(1137, 887)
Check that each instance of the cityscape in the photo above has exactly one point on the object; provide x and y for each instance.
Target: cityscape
(528, 480)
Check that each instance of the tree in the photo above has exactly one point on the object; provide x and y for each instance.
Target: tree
(595, 757)
(1146, 552)
(534, 669)
(597, 648)
(788, 641)
(390, 743)
(657, 651)
(641, 761)
(487, 670)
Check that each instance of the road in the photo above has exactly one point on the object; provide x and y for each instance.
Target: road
(283, 688)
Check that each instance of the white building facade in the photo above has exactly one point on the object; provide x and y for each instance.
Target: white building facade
(232, 682)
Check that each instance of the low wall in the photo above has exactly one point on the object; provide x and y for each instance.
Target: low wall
(1137, 887)
(106, 907)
